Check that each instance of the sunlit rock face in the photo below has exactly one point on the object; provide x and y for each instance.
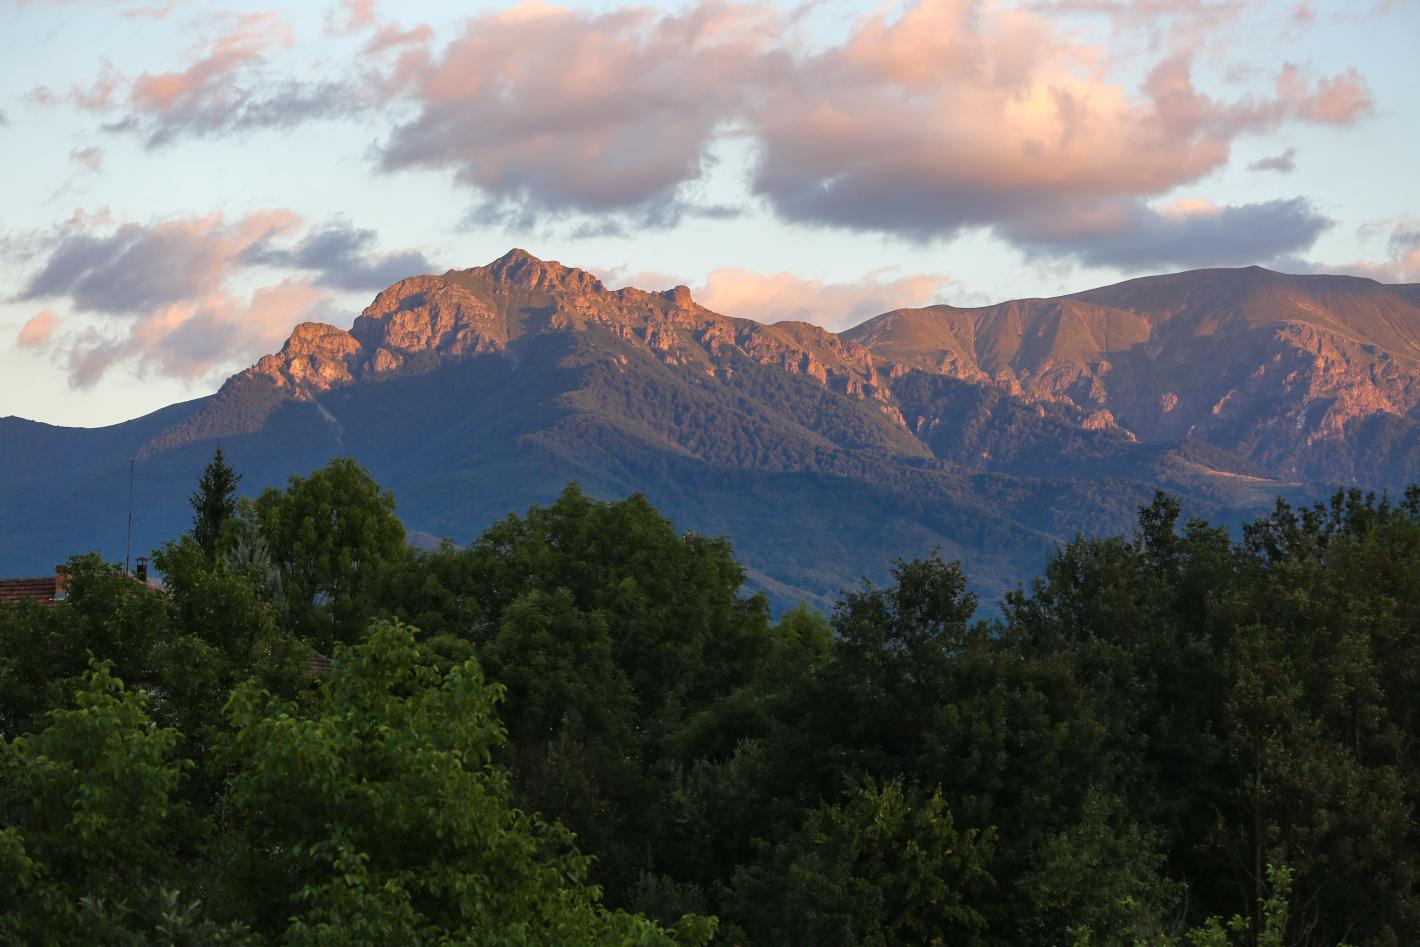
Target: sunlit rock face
(1299, 374)
(424, 321)
(1287, 370)
(991, 434)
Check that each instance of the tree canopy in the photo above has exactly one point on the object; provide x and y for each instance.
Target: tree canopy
(1175, 737)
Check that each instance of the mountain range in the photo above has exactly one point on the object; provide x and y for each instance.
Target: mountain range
(990, 433)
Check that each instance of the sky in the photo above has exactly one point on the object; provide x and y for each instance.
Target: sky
(184, 182)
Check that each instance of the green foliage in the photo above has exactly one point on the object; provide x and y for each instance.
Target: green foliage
(245, 550)
(214, 503)
(90, 820)
(383, 819)
(680, 630)
(330, 534)
(886, 866)
(1127, 756)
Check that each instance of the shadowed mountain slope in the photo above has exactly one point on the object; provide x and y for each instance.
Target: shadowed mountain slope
(991, 433)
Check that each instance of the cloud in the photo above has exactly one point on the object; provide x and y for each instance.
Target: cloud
(350, 16)
(1132, 235)
(1338, 100)
(1285, 163)
(169, 289)
(206, 95)
(223, 88)
(1402, 245)
(958, 115)
(190, 340)
(543, 108)
(921, 122)
(89, 159)
(784, 297)
(137, 268)
(343, 257)
(101, 95)
(37, 330)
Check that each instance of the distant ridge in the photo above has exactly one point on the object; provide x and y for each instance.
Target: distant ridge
(992, 432)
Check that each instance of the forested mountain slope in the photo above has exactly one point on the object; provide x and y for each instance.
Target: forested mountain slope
(992, 433)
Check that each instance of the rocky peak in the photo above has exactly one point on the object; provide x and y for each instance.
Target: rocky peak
(318, 339)
(521, 269)
(679, 297)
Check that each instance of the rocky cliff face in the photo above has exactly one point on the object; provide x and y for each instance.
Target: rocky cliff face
(427, 320)
(1282, 370)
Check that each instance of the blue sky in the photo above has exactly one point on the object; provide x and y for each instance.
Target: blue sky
(186, 181)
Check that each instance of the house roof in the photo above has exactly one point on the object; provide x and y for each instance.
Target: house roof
(15, 591)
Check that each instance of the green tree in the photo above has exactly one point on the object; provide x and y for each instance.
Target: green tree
(245, 550)
(44, 651)
(214, 503)
(885, 866)
(384, 819)
(681, 632)
(330, 535)
(91, 820)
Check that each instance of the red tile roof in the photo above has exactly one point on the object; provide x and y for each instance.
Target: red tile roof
(15, 591)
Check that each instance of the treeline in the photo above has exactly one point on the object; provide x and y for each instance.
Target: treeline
(595, 738)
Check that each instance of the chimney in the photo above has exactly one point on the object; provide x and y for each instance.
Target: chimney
(61, 580)
(142, 572)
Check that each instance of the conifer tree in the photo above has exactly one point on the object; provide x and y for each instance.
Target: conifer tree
(214, 503)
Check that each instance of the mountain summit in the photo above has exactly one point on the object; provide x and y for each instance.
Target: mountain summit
(991, 432)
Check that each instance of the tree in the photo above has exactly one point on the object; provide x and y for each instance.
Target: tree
(681, 631)
(214, 503)
(330, 534)
(383, 818)
(895, 651)
(244, 549)
(90, 820)
(885, 866)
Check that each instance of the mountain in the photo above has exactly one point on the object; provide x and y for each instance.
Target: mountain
(1306, 377)
(990, 433)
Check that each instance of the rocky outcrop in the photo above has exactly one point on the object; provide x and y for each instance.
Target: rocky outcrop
(425, 321)
(1275, 368)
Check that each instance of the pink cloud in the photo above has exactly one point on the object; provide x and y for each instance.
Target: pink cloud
(210, 94)
(354, 16)
(208, 80)
(90, 159)
(568, 109)
(924, 120)
(192, 340)
(1338, 100)
(172, 287)
(136, 268)
(1403, 263)
(37, 330)
(98, 97)
(958, 114)
(189, 340)
(783, 297)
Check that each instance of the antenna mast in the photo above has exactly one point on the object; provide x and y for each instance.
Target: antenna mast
(128, 550)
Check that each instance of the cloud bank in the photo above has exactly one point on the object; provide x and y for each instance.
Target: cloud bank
(921, 122)
(835, 306)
